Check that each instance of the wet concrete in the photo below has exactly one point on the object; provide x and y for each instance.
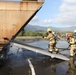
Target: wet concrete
(17, 62)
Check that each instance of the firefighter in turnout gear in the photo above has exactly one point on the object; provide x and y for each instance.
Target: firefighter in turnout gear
(52, 44)
(74, 35)
(72, 66)
(71, 41)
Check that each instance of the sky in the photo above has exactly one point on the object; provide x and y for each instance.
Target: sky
(55, 13)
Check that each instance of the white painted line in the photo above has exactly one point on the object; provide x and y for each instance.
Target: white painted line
(31, 67)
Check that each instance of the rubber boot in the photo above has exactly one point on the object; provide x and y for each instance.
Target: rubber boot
(51, 51)
(57, 52)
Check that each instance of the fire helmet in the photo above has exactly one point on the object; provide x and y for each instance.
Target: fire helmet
(69, 35)
(49, 30)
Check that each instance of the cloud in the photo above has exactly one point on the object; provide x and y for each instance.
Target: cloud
(47, 22)
(66, 18)
(37, 21)
(67, 13)
(70, 1)
(68, 6)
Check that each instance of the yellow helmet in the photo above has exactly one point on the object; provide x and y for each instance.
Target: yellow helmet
(74, 31)
(48, 29)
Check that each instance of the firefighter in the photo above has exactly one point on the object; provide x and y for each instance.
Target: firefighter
(52, 44)
(71, 42)
(75, 31)
(72, 67)
(74, 35)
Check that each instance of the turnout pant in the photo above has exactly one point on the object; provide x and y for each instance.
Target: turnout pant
(72, 50)
(52, 46)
